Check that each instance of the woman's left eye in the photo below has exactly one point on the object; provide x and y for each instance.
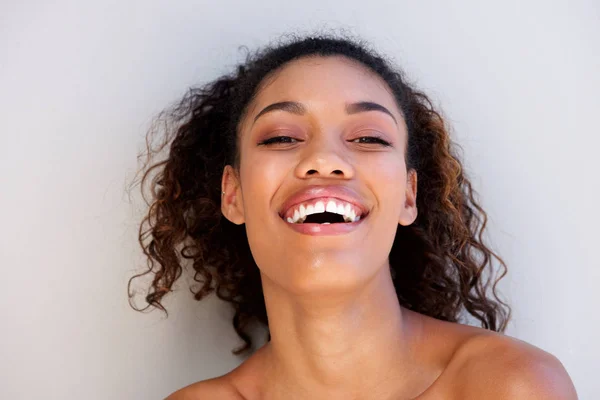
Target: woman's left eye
(371, 140)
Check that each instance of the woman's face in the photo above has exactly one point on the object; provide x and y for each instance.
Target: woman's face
(326, 147)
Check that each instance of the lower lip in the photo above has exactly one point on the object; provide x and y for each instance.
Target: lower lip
(325, 229)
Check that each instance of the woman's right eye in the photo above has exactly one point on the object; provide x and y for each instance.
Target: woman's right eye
(279, 140)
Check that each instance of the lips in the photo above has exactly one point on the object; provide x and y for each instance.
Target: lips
(313, 192)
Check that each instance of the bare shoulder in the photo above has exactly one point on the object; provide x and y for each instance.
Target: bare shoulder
(499, 367)
(214, 388)
(241, 383)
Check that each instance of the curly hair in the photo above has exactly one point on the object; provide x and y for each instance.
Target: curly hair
(439, 264)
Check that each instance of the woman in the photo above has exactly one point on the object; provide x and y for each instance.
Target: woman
(319, 193)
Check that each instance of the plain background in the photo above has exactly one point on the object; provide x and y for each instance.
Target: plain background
(80, 82)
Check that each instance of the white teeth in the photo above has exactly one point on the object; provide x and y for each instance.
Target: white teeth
(296, 216)
(346, 213)
(302, 211)
(344, 209)
(319, 207)
(331, 207)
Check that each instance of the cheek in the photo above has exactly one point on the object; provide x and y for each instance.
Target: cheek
(388, 179)
(386, 171)
(261, 176)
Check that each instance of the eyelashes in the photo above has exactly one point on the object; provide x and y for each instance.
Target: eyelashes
(279, 139)
(360, 140)
(372, 139)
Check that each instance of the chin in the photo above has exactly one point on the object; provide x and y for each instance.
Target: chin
(322, 273)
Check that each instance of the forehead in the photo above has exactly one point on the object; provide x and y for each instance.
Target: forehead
(321, 82)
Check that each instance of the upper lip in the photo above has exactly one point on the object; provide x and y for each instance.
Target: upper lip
(343, 193)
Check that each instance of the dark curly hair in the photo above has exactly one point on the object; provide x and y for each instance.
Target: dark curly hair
(443, 248)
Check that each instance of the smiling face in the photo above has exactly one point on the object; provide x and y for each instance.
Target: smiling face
(321, 132)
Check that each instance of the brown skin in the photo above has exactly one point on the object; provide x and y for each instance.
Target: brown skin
(337, 329)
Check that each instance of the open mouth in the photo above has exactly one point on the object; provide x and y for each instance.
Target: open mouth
(321, 211)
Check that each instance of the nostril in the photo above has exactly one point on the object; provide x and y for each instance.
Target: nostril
(314, 171)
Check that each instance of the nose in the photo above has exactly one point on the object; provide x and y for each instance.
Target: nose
(325, 159)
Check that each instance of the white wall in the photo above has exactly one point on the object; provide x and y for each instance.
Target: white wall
(80, 81)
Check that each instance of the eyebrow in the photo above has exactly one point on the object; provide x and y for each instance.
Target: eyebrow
(299, 109)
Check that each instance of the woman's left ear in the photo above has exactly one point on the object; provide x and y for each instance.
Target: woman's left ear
(232, 203)
(409, 212)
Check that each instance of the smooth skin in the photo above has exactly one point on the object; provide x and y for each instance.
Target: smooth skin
(337, 329)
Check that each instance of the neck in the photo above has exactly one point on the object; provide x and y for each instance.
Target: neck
(342, 344)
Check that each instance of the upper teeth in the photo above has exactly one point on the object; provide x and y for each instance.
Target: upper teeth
(347, 210)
